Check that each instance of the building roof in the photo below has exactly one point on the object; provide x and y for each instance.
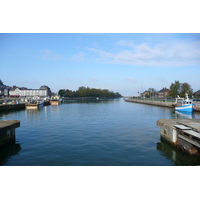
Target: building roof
(1, 83)
(197, 92)
(164, 90)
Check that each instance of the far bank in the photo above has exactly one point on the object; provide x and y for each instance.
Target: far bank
(160, 103)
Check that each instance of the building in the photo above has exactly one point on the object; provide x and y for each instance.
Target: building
(3, 89)
(164, 93)
(197, 94)
(19, 92)
(44, 87)
(146, 94)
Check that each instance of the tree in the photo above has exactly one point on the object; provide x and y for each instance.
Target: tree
(180, 89)
(61, 93)
(88, 92)
(175, 89)
(152, 91)
(186, 88)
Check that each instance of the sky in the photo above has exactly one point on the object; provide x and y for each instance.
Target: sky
(127, 63)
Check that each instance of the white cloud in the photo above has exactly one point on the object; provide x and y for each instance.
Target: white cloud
(79, 56)
(133, 80)
(46, 54)
(94, 79)
(170, 54)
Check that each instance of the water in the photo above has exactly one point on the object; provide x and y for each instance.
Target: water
(92, 133)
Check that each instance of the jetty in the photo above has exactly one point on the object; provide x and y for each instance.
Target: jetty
(7, 131)
(182, 133)
(162, 103)
(7, 107)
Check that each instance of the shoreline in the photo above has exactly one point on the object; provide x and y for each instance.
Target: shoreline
(160, 103)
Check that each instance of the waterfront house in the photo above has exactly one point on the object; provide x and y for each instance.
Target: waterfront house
(163, 93)
(145, 94)
(197, 94)
(22, 92)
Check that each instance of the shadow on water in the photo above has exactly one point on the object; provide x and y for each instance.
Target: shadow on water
(7, 112)
(8, 151)
(177, 156)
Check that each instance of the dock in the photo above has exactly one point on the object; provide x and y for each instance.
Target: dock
(12, 107)
(160, 103)
(7, 131)
(182, 133)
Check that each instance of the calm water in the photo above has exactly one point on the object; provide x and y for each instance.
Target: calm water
(92, 133)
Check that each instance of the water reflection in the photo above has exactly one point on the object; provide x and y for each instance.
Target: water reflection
(90, 101)
(8, 150)
(184, 115)
(178, 157)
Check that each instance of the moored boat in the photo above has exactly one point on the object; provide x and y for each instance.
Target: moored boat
(34, 104)
(55, 100)
(185, 105)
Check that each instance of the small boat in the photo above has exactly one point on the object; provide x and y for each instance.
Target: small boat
(55, 100)
(34, 104)
(185, 105)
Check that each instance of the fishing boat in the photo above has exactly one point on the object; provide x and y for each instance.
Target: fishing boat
(55, 100)
(34, 104)
(185, 105)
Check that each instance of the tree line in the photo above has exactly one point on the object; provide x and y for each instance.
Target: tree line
(88, 92)
(180, 89)
(175, 89)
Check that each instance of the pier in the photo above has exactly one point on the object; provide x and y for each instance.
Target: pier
(7, 131)
(160, 103)
(12, 106)
(182, 133)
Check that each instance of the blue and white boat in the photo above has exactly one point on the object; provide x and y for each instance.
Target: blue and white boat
(185, 105)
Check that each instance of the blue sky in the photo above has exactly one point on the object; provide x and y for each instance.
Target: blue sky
(124, 63)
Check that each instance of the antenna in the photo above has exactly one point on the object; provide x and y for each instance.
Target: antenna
(141, 86)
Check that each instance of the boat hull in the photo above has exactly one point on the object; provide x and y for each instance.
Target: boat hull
(34, 105)
(55, 102)
(185, 108)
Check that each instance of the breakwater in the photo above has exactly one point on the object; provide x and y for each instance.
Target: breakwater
(12, 107)
(160, 103)
(150, 102)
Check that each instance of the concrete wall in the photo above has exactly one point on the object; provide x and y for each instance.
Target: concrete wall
(160, 103)
(12, 107)
(169, 134)
(149, 102)
(7, 131)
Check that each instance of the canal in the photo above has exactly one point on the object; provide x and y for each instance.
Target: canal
(93, 133)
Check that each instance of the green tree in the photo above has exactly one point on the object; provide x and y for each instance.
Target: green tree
(175, 89)
(152, 92)
(61, 92)
(180, 89)
(186, 88)
(88, 92)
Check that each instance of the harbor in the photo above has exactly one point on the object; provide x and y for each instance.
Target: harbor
(94, 133)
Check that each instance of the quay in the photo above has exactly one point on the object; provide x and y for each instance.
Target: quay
(7, 131)
(182, 133)
(8, 107)
(12, 106)
(160, 103)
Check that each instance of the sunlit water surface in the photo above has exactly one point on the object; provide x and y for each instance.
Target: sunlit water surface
(92, 133)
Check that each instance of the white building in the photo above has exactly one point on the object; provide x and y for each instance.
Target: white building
(28, 92)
